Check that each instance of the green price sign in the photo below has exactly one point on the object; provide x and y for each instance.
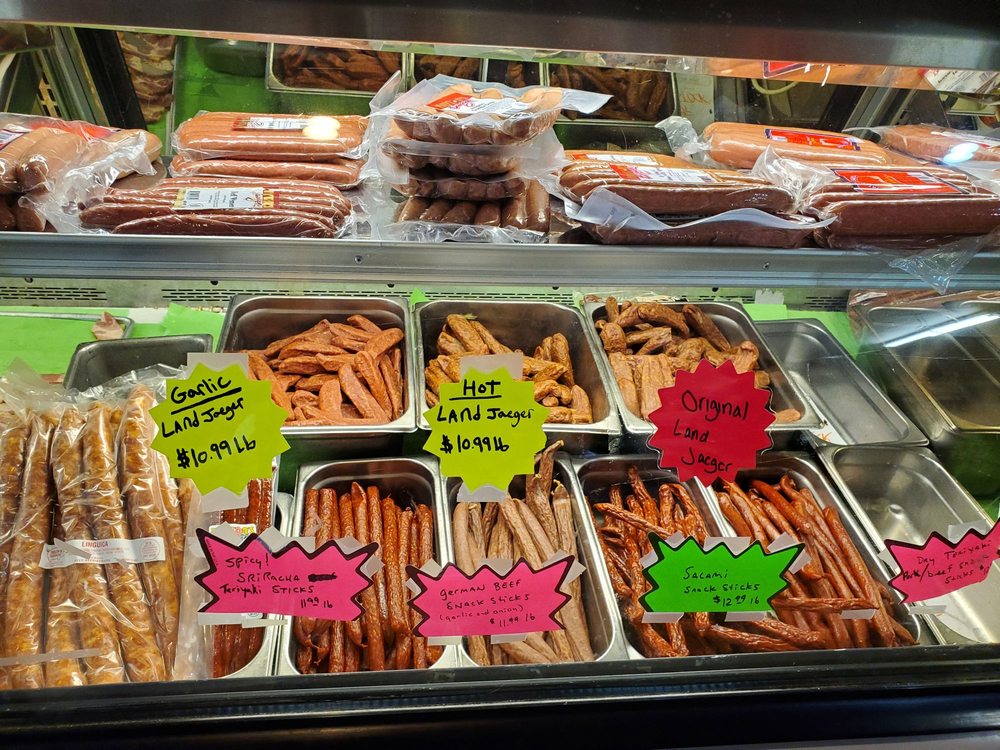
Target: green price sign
(689, 579)
(219, 428)
(486, 429)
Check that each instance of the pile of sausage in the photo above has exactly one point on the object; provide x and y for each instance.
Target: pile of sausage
(233, 646)
(637, 94)
(320, 148)
(529, 210)
(550, 369)
(428, 66)
(647, 343)
(348, 373)
(382, 637)
(535, 528)
(339, 69)
(282, 208)
(836, 577)
(88, 475)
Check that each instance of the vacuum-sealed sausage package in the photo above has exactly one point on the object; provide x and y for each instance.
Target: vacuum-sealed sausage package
(222, 206)
(522, 218)
(262, 137)
(93, 536)
(342, 173)
(452, 110)
(941, 144)
(738, 145)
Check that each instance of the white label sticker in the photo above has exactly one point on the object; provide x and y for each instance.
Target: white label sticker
(103, 551)
(617, 158)
(965, 81)
(662, 174)
(6, 136)
(232, 199)
(271, 123)
(467, 105)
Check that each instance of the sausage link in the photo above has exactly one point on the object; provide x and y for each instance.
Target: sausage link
(136, 626)
(404, 640)
(145, 513)
(353, 628)
(13, 438)
(62, 633)
(374, 644)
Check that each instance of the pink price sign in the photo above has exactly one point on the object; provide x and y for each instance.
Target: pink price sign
(290, 581)
(938, 567)
(487, 603)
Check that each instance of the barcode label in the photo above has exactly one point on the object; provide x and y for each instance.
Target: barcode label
(271, 123)
(103, 551)
(231, 199)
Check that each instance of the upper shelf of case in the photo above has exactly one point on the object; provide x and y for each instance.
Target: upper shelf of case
(921, 33)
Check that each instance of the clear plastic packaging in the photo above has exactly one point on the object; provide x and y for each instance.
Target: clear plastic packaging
(397, 154)
(226, 207)
(431, 182)
(452, 110)
(265, 137)
(345, 173)
(941, 144)
(613, 219)
(739, 145)
(667, 186)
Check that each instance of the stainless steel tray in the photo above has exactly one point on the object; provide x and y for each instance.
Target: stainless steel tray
(273, 83)
(989, 308)
(606, 637)
(904, 494)
(523, 325)
(592, 481)
(770, 468)
(254, 322)
(946, 377)
(405, 478)
(855, 410)
(96, 362)
(736, 326)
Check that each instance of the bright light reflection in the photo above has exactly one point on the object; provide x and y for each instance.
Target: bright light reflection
(940, 330)
(321, 128)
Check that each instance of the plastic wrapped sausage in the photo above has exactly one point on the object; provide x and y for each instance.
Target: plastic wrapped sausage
(297, 138)
(343, 173)
(435, 183)
(941, 144)
(451, 110)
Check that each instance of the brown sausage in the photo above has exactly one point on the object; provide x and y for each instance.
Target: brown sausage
(353, 628)
(87, 588)
(57, 152)
(24, 612)
(374, 643)
(13, 438)
(343, 174)
(265, 223)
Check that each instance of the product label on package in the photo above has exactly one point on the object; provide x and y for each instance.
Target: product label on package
(468, 105)
(711, 423)
(487, 428)
(487, 603)
(231, 199)
(687, 578)
(219, 428)
(265, 122)
(616, 158)
(938, 567)
(662, 174)
(897, 181)
(820, 140)
(964, 81)
(772, 68)
(250, 578)
(102, 551)
(6, 136)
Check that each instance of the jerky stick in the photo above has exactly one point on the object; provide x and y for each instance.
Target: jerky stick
(375, 526)
(353, 628)
(418, 557)
(331, 519)
(374, 646)
(463, 554)
(405, 529)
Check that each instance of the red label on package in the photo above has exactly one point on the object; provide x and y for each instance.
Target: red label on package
(617, 158)
(938, 567)
(661, 174)
(807, 138)
(711, 423)
(251, 578)
(774, 68)
(487, 603)
(897, 181)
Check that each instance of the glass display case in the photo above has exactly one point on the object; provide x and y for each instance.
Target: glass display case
(356, 198)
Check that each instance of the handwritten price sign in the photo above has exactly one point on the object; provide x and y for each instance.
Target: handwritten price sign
(487, 603)
(486, 429)
(711, 423)
(249, 577)
(938, 567)
(219, 428)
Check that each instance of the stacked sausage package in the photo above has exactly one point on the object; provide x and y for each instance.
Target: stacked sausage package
(467, 156)
(54, 164)
(91, 537)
